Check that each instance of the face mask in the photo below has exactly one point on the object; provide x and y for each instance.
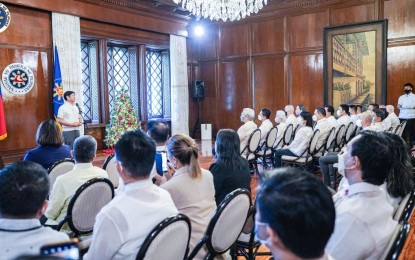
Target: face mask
(297, 112)
(242, 119)
(407, 91)
(341, 167)
(277, 120)
(259, 117)
(314, 118)
(339, 113)
(359, 122)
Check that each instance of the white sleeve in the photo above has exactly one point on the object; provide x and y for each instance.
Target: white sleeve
(60, 112)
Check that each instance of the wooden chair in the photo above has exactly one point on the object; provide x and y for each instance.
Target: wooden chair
(395, 246)
(405, 208)
(59, 168)
(109, 166)
(266, 151)
(252, 148)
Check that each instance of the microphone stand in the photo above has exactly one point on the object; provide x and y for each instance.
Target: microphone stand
(83, 115)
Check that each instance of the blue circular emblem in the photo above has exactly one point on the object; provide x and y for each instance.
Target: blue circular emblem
(18, 78)
(4, 17)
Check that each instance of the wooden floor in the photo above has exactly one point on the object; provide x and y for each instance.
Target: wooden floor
(206, 159)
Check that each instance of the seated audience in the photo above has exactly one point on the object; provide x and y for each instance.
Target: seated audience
(191, 187)
(378, 117)
(343, 113)
(300, 108)
(367, 120)
(159, 131)
(50, 147)
(24, 188)
(295, 215)
(393, 118)
(280, 119)
(353, 113)
(291, 119)
(364, 223)
(266, 124)
(329, 115)
(247, 117)
(122, 226)
(230, 170)
(300, 143)
(65, 186)
(322, 125)
(372, 107)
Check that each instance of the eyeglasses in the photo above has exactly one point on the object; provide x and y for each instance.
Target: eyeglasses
(261, 232)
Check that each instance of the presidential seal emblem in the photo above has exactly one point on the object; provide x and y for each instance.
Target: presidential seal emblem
(4, 17)
(18, 78)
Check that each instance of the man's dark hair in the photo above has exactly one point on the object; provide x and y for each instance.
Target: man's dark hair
(67, 94)
(158, 130)
(24, 186)
(84, 149)
(329, 109)
(374, 105)
(352, 107)
(380, 113)
(373, 151)
(296, 204)
(345, 108)
(321, 111)
(266, 112)
(136, 152)
(408, 84)
(359, 106)
(307, 117)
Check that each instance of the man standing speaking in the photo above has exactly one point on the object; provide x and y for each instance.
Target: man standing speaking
(69, 116)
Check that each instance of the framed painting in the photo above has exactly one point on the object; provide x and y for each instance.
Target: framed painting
(355, 63)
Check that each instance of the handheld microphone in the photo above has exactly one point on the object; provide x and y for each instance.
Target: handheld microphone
(79, 108)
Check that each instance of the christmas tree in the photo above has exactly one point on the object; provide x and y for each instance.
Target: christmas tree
(122, 119)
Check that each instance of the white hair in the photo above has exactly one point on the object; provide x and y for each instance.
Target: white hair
(289, 108)
(281, 114)
(390, 108)
(249, 112)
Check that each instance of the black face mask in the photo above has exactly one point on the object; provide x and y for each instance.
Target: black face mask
(407, 91)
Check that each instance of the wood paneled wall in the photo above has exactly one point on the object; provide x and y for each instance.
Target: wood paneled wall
(276, 58)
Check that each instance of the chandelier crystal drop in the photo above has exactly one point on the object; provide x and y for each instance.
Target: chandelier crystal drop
(222, 9)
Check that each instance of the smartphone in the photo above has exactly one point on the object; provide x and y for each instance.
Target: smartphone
(66, 250)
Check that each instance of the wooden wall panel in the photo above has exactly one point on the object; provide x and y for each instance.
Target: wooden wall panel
(234, 39)
(234, 92)
(268, 35)
(27, 28)
(401, 69)
(269, 84)
(305, 31)
(25, 112)
(307, 80)
(208, 43)
(208, 105)
(353, 14)
(400, 14)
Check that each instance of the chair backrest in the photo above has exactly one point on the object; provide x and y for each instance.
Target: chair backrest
(168, 240)
(297, 127)
(405, 208)
(87, 202)
(271, 137)
(312, 148)
(59, 168)
(329, 141)
(397, 241)
(110, 167)
(403, 124)
(350, 131)
(288, 134)
(339, 135)
(253, 141)
(226, 224)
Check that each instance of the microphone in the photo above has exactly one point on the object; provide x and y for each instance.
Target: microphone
(79, 108)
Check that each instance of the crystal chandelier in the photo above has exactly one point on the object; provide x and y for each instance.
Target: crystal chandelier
(222, 9)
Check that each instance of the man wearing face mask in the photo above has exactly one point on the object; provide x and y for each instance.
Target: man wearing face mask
(291, 119)
(266, 124)
(280, 119)
(278, 227)
(322, 125)
(406, 105)
(343, 114)
(329, 115)
(364, 223)
(247, 117)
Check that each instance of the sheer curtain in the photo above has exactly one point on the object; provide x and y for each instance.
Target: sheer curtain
(179, 86)
(66, 30)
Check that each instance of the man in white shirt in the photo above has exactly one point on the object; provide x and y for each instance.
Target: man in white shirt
(364, 223)
(353, 115)
(278, 227)
(24, 187)
(69, 116)
(367, 120)
(322, 125)
(280, 119)
(291, 118)
(379, 116)
(343, 113)
(329, 115)
(266, 124)
(406, 105)
(65, 186)
(247, 117)
(122, 226)
(393, 118)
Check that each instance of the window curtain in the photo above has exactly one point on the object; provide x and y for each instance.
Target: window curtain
(66, 30)
(179, 86)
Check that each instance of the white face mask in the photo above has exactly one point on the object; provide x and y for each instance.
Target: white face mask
(297, 112)
(339, 113)
(341, 167)
(359, 122)
(259, 117)
(277, 120)
(242, 119)
(314, 118)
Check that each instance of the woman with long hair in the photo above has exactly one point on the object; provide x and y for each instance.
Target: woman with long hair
(50, 147)
(230, 170)
(190, 186)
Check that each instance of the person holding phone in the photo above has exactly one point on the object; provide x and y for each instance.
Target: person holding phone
(24, 188)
